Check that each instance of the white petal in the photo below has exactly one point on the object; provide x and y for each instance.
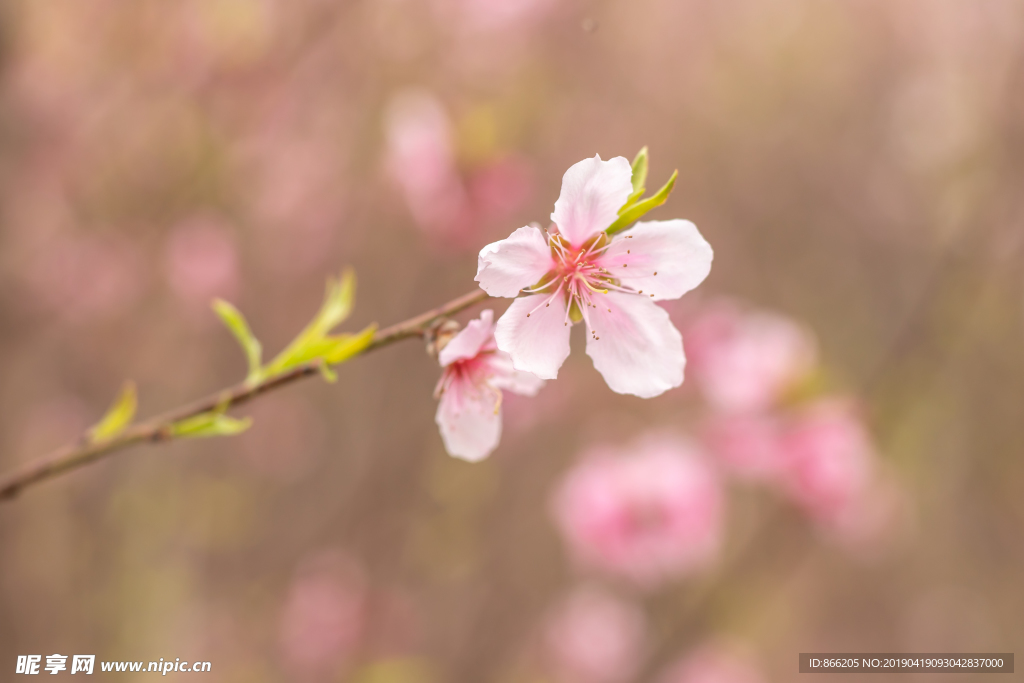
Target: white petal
(539, 343)
(470, 340)
(593, 191)
(675, 250)
(508, 378)
(507, 266)
(637, 350)
(470, 423)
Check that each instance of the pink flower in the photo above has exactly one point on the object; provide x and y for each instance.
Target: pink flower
(831, 461)
(500, 187)
(577, 271)
(421, 159)
(746, 361)
(475, 372)
(323, 614)
(650, 515)
(594, 637)
(201, 260)
(748, 445)
(823, 460)
(712, 664)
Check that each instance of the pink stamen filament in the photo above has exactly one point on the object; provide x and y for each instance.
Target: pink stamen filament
(581, 277)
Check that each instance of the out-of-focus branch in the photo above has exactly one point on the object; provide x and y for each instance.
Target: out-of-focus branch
(159, 428)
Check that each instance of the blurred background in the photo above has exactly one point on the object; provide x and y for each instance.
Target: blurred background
(858, 168)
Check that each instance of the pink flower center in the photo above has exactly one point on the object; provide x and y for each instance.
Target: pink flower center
(578, 277)
(466, 381)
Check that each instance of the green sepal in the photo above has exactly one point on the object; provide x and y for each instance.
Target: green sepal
(236, 323)
(630, 214)
(117, 417)
(212, 423)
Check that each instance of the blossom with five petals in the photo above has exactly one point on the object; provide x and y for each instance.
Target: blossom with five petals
(475, 372)
(577, 271)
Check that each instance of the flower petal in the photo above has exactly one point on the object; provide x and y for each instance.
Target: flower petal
(538, 342)
(637, 349)
(507, 266)
(663, 258)
(470, 341)
(505, 376)
(593, 191)
(470, 422)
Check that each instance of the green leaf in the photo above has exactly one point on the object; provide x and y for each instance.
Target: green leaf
(212, 423)
(640, 172)
(118, 416)
(235, 321)
(347, 345)
(337, 304)
(639, 180)
(633, 213)
(312, 342)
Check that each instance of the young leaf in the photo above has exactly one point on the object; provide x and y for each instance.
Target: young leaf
(310, 343)
(337, 304)
(639, 172)
(633, 213)
(118, 416)
(213, 423)
(235, 322)
(347, 345)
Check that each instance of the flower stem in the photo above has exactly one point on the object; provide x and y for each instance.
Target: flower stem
(158, 429)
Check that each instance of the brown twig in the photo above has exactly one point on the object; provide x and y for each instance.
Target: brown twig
(157, 429)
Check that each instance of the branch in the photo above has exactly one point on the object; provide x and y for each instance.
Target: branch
(158, 429)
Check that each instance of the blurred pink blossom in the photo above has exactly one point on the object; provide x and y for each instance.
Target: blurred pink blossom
(745, 361)
(868, 526)
(497, 15)
(469, 391)
(421, 160)
(324, 614)
(500, 187)
(747, 445)
(201, 261)
(649, 512)
(830, 458)
(448, 205)
(822, 458)
(712, 664)
(594, 637)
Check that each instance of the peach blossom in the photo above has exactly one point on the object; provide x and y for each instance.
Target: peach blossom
(649, 512)
(712, 664)
(323, 614)
(745, 361)
(613, 283)
(593, 637)
(201, 260)
(475, 373)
